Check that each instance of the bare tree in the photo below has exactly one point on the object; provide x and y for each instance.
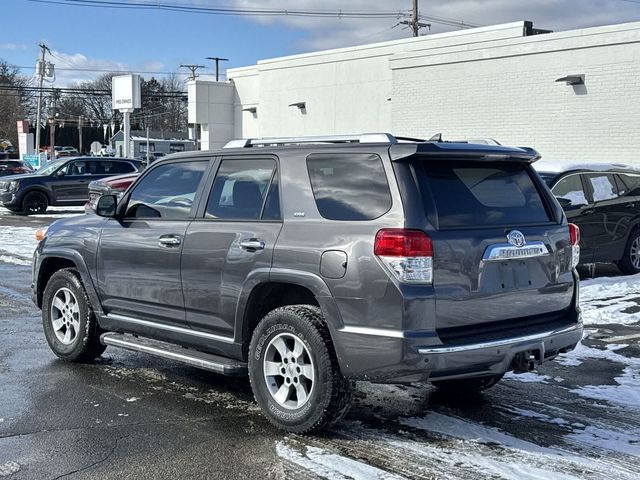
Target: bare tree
(14, 101)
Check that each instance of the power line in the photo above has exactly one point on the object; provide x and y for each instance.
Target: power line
(105, 70)
(157, 5)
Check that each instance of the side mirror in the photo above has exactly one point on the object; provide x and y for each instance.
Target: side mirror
(564, 202)
(60, 173)
(106, 206)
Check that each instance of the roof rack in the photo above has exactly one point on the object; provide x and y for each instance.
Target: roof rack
(363, 138)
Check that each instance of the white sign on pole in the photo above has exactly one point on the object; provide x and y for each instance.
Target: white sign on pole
(125, 92)
(95, 148)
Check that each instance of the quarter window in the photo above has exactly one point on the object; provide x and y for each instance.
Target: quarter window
(167, 191)
(240, 188)
(632, 183)
(349, 187)
(604, 187)
(570, 189)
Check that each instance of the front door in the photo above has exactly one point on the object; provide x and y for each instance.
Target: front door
(138, 264)
(232, 237)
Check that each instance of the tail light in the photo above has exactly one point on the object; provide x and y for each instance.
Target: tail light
(574, 238)
(408, 254)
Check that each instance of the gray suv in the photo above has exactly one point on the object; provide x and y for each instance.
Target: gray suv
(311, 262)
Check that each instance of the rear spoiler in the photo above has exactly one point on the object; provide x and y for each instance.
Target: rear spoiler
(463, 151)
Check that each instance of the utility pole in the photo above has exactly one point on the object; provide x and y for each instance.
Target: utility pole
(40, 66)
(80, 134)
(415, 24)
(218, 60)
(52, 124)
(193, 69)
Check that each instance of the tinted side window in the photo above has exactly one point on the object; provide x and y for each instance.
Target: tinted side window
(632, 183)
(77, 168)
(167, 192)
(570, 189)
(272, 205)
(240, 188)
(603, 186)
(105, 167)
(349, 186)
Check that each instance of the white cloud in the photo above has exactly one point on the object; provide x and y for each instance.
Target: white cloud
(77, 67)
(330, 33)
(12, 46)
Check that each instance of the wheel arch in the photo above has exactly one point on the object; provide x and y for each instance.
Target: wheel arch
(37, 188)
(266, 290)
(55, 260)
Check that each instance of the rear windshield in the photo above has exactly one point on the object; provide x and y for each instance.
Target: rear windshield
(475, 194)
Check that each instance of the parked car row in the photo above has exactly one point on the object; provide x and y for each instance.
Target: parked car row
(604, 201)
(64, 182)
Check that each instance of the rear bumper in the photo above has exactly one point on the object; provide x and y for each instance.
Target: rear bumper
(404, 357)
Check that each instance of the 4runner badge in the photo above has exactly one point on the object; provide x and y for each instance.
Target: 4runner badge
(516, 238)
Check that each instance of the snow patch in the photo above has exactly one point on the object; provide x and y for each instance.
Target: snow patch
(9, 468)
(623, 442)
(604, 300)
(17, 244)
(626, 393)
(331, 466)
(528, 377)
(132, 399)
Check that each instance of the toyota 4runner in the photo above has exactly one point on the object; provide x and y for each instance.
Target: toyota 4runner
(311, 262)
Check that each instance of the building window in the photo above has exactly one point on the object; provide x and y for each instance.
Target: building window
(143, 147)
(176, 147)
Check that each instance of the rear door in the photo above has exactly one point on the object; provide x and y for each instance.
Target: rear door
(606, 226)
(483, 272)
(572, 195)
(234, 235)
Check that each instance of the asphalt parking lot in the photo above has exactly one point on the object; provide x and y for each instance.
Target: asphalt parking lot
(133, 416)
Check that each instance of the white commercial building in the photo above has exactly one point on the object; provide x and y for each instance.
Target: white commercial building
(500, 82)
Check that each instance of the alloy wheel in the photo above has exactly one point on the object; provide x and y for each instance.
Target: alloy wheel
(65, 316)
(634, 253)
(288, 371)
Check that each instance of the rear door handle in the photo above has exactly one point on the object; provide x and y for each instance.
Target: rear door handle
(169, 241)
(252, 244)
(630, 205)
(588, 211)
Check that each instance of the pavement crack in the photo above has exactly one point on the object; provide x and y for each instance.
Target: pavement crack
(97, 462)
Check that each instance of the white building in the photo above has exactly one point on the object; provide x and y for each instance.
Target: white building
(499, 82)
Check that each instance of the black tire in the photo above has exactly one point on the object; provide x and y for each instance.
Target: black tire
(35, 202)
(468, 386)
(330, 394)
(630, 261)
(84, 342)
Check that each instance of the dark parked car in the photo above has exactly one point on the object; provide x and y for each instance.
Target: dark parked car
(308, 263)
(14, 167)
(64, 182)
(604, 201)
(107, 186)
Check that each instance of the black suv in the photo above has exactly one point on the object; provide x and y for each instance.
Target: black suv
(307, 263)
(604, 201)
(61, 183)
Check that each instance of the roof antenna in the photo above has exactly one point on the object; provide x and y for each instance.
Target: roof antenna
(436, 138)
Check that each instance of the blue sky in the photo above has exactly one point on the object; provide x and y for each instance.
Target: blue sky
(155, 40)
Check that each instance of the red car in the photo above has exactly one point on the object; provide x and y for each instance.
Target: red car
(108, 186)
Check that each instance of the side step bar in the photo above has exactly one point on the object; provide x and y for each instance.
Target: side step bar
(195, 358)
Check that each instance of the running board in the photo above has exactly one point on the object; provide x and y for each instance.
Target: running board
(171, 351)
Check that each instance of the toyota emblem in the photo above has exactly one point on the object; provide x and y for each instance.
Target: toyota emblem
(516, 238)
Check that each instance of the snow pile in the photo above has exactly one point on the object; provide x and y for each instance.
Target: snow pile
(17, 244)
(610, 300)
(331, 466)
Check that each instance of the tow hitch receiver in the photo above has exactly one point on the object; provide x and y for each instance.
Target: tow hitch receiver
(524, 362)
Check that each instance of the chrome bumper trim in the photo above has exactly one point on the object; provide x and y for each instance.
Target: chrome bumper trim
(498, 343)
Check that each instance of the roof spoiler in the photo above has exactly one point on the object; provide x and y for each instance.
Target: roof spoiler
(463, 151)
